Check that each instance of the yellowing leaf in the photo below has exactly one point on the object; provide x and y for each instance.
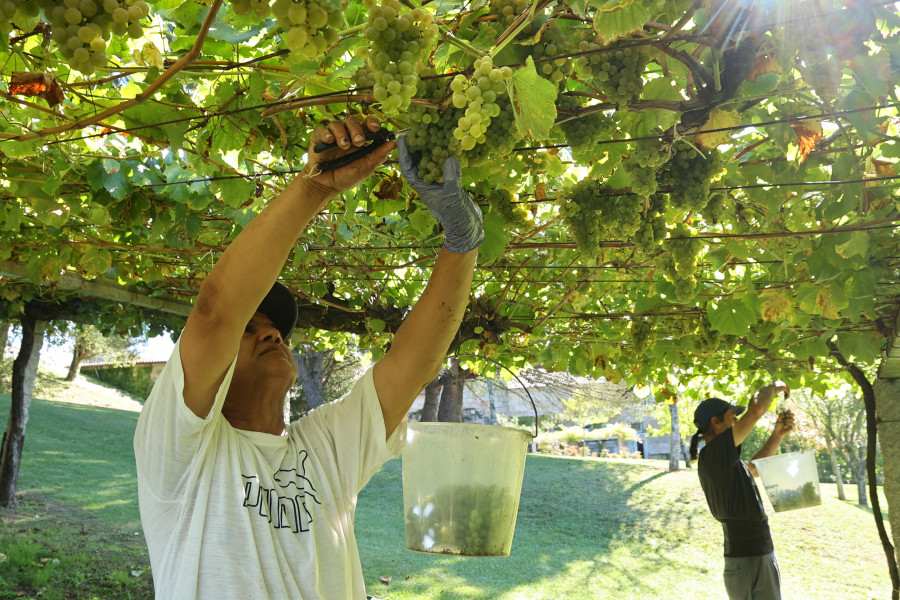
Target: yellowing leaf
(765, 63)
(718, 119)
(152, 56)
(825, 305)
(776, 306)
(808, 135)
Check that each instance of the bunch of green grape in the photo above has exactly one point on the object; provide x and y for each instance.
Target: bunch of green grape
(705, 339)
(478, 97)
(310, 26)
(653, 229)
(81, 28)
(506, 12)
(642, 162)
(501, 202)
(593, 215)
(430, 130)
(618, 73)
(643, 336)
(679, 261)
(551, 55)
(715, 208)
(399, 42)
(688, 175)
(584, 132)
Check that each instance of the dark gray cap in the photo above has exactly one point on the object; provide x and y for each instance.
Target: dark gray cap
(280, 306)
(713, 407)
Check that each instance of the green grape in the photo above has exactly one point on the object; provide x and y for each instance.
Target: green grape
(501, 201)
(679, 261)
(618, 73)
(397, 43)
(643, 336)
(550, 55)
(641, 164)
(593, 215)
(309, 25)
(583, 133)
(715, 208)
(688, 175)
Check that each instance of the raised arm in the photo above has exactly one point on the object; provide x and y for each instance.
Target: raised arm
(784, 424)
(420, 345)
(759, 406)
(250, 265)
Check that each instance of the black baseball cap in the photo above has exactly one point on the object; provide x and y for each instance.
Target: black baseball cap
(713, 407)
(280, 306)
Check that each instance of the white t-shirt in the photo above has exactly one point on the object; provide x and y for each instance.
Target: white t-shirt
(233, 514)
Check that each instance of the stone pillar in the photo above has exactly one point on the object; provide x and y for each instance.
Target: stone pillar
(887, 400)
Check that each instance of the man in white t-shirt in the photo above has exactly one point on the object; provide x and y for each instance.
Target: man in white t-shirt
(234, 504)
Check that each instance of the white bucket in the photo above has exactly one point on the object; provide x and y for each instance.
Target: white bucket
(461, 487)
(791, 480)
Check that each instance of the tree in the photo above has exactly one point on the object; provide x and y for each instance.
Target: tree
(323, 375)
(91, 343)
(24, 372)
(840, 416)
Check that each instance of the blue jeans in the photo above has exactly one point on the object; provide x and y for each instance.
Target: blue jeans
(753, 577)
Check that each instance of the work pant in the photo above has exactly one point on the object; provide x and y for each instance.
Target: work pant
(753, 577)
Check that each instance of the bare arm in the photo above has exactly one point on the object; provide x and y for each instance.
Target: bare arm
(250, 265)
(759, 406)
(420, 345)
(783, 426)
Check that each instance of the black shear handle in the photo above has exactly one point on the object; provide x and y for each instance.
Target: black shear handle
(374, 140)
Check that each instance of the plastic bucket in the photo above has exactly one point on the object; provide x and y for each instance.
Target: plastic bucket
(461, 487)
(790, 479)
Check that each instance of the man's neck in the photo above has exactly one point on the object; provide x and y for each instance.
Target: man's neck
(260, 409)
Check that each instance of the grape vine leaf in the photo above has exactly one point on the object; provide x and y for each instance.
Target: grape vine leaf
(617, 18)
(495, 237)
(730, 316)
(533, 100)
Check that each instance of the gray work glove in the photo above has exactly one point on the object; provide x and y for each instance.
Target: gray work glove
(449, 203)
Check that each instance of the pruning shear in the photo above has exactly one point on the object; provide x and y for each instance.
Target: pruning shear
(374, 139)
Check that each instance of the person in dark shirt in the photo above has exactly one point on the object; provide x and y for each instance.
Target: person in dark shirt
(751, 568)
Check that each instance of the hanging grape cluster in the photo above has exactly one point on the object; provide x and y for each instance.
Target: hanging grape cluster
(616, 73)
(551, 55)
(81, 28)
(478, 97)
(715, 208)
(501, 202)
(398, 43)
(653, 228)
(593, 215)
(705, 339)
(679, 261)
(642, 162)
(643, 336)
(477, 128)
(310, 26)
(688, 175)
(584, 132)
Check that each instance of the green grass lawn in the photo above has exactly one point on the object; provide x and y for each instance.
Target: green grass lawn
(586, 528)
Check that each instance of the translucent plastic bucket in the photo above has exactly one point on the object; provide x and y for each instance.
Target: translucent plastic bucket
(791, 480)
(461, 487)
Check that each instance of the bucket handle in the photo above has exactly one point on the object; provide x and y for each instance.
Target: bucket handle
(524, 387)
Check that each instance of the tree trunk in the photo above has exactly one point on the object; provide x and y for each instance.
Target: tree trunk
(4, 337)
(433, 398)
(491, 402)
(674, 438)
(859, 474)
(311, 368)
(78, 355)
(686, 454)
(24, 373)
(451, 407)
(836, 468)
